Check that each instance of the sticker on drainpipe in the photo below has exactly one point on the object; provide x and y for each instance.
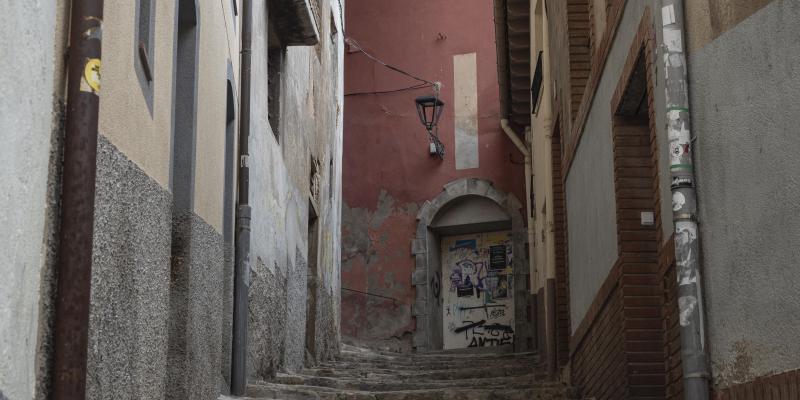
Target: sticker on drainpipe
(668, 14)
(648, 218)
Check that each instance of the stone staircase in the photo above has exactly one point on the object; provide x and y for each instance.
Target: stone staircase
(360, 374)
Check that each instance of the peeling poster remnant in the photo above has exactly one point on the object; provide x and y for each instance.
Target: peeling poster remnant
(478, 308)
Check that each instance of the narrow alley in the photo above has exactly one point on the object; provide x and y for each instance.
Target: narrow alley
(400, 199)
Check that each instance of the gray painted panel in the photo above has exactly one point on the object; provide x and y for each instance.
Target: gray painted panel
(591, 203)
(745, 89)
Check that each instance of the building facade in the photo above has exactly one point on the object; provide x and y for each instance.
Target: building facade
(609, 180)
(433, 250)
(162, 265)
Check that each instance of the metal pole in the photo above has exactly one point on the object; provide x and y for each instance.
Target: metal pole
(241, 283)
(77, 202)
(684, 205)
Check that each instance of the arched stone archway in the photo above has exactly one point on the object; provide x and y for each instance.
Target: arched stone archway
(426, 277)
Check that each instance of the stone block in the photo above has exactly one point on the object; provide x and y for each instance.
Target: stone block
(418, 246)
(419, 308)
(421, 261)
(424, 212)
(456, 188)
(419, 277)
(421, 292)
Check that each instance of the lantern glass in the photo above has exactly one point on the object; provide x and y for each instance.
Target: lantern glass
(430, 110)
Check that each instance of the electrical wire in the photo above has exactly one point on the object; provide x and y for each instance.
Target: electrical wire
(354, 43)
(415, 87)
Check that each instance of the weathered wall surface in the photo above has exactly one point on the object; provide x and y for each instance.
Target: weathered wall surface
(280, 193)
(745, 119)
(29, 128)
(387, 169)
(160, 289)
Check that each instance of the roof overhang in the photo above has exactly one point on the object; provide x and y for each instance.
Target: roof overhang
(295, 21)
(513, 43)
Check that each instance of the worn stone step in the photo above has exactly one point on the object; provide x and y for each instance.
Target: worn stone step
(444, 364)
(436, 357)
(423, 375)
(389, 383)
(278, 391)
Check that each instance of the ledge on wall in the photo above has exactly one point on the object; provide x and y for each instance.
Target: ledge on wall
(295, 21)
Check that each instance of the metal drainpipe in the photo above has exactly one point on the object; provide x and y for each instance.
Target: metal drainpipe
(241, 283)
(77, 202)
(528, 189)
(684, 205)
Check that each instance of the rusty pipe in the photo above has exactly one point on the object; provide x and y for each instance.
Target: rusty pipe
(77, 202)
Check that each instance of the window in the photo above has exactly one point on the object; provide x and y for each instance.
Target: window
(144, 37)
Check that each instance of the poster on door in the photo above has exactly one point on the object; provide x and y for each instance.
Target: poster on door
(478, 281)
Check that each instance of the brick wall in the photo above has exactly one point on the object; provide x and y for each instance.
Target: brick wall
(598, 363)
(618, 351)
(672, 329)
(783, 386)
(560, 237)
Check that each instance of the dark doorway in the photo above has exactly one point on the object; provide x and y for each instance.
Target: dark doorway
(179, 356)
(312, 282)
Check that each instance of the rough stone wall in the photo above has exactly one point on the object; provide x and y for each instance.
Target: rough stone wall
(280, 193)
(744, 116)
(196, 309)
(130, 298)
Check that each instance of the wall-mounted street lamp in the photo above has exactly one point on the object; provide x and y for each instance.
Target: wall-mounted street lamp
(430, 110)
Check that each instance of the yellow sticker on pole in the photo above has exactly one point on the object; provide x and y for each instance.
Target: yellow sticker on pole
(91, 76)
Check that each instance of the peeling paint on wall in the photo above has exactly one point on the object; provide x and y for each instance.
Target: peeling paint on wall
(374, 259)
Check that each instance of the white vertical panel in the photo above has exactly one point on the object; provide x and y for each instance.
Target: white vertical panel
(465, 106)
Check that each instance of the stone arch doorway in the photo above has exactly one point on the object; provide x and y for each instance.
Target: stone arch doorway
(467, 206)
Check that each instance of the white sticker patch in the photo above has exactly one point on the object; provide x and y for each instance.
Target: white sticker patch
(672, 39)
(678, 200)
(668, 15)
(687, 305)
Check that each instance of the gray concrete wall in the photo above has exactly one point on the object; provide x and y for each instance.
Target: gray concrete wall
(30, 131)
(280, 192)
(591, 203)
(745, 94)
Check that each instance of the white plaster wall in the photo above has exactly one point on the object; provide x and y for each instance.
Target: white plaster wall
(28, 54)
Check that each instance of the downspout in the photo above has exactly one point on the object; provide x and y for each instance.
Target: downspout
(684, 204)
(72, 304)
(528, 174)
(241, 283)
